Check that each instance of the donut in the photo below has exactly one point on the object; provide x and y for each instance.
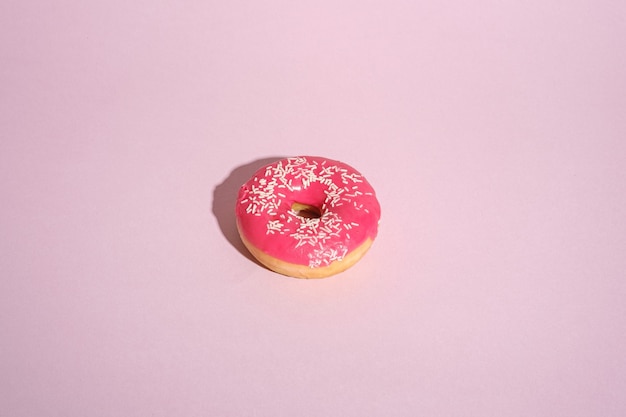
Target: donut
(307, 216)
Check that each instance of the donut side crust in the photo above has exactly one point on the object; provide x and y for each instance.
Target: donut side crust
(305, 271)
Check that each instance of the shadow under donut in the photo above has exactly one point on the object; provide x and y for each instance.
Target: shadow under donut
(225, 198)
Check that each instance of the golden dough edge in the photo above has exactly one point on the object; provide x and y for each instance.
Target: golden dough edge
(305, 271)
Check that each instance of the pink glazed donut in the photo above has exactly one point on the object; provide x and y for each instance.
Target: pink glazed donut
(307, 217)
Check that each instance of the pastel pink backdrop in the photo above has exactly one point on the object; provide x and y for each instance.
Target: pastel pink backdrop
(494, 133)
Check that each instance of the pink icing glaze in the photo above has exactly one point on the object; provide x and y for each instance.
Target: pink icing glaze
(347, 203)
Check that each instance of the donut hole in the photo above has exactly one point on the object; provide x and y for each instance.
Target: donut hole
(306, 210)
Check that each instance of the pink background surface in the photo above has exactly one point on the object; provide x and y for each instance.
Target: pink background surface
(494, 133)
